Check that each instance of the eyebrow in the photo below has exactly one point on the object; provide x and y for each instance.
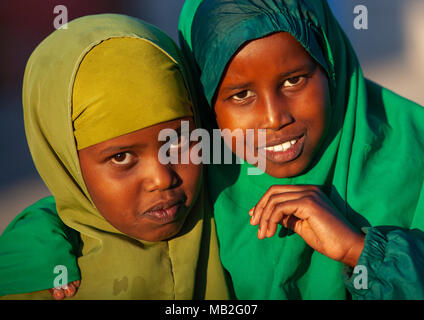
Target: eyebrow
(117, 149)
(299, 69)
(237, 86)
(240, 86)
(178, 129)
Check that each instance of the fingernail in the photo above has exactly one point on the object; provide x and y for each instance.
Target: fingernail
(251, 212)
(260, 233)
(58, 294)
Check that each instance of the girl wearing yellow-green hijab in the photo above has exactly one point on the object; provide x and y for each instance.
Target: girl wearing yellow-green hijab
(96, 96)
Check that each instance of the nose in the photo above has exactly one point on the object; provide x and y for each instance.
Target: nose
(276, 113)
(160, 177)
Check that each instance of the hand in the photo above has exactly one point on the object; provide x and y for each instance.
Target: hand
(61, 293)
(307, 211)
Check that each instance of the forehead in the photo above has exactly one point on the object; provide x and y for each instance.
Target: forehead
(278, 49)
(151, 133)
(146, 137)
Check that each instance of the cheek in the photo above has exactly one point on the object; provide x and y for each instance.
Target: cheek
(234, 122)
(236, 117)
(112, 196)
(315, 110)
(190, 176)
(224, 117)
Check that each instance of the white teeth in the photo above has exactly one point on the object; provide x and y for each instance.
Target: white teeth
(282, 147)
(278, 147)
(286, 145)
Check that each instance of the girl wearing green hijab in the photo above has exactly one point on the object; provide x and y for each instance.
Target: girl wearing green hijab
(96, 97)
(343, 154)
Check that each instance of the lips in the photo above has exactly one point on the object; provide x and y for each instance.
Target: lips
(284, 149)
(165, 211)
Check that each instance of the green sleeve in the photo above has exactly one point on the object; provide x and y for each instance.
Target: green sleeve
(31, 248)
(390, 266)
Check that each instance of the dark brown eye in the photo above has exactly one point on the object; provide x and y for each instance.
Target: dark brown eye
(292, 82)
(121, 158)
(242, 95)
(179, 143)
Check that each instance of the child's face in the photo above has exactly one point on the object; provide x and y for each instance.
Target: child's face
(135, 192)
(272, 83)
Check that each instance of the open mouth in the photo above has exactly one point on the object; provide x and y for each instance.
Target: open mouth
(165, 212)
(285, 151)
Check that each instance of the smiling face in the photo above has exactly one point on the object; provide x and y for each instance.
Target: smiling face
(272, 83)
(132, 189)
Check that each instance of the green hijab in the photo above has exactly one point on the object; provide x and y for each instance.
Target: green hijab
(371, 165)
(113, 265)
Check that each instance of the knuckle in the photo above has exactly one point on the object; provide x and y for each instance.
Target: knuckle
(274, 188)
(273, 198)
(280, 206)
(265, 219)
(312, 194)
(315, 188)
(309, 199)
(275, 218)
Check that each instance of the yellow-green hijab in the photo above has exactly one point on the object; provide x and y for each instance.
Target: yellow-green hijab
(113, 265)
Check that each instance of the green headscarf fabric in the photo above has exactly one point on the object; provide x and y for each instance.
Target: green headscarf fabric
(371, 166)
(113, 265)
(31, 246)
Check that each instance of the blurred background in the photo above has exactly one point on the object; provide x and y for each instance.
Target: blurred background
(391, 52)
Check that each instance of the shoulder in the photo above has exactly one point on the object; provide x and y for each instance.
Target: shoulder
(391, 102)
(36, 215)
(36, 223)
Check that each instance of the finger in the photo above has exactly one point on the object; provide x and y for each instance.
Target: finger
(290, 221)
(76, 283)
(277, 189)
(270, 218)
(58, 294)
(70, 290)
(287, 221)
(256, 211)
(288, 213)
(277, 217)
(294, 212)
(275, 199)
(270, 228)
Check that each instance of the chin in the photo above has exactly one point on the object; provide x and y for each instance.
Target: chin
(285, 170)
(164, 233)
